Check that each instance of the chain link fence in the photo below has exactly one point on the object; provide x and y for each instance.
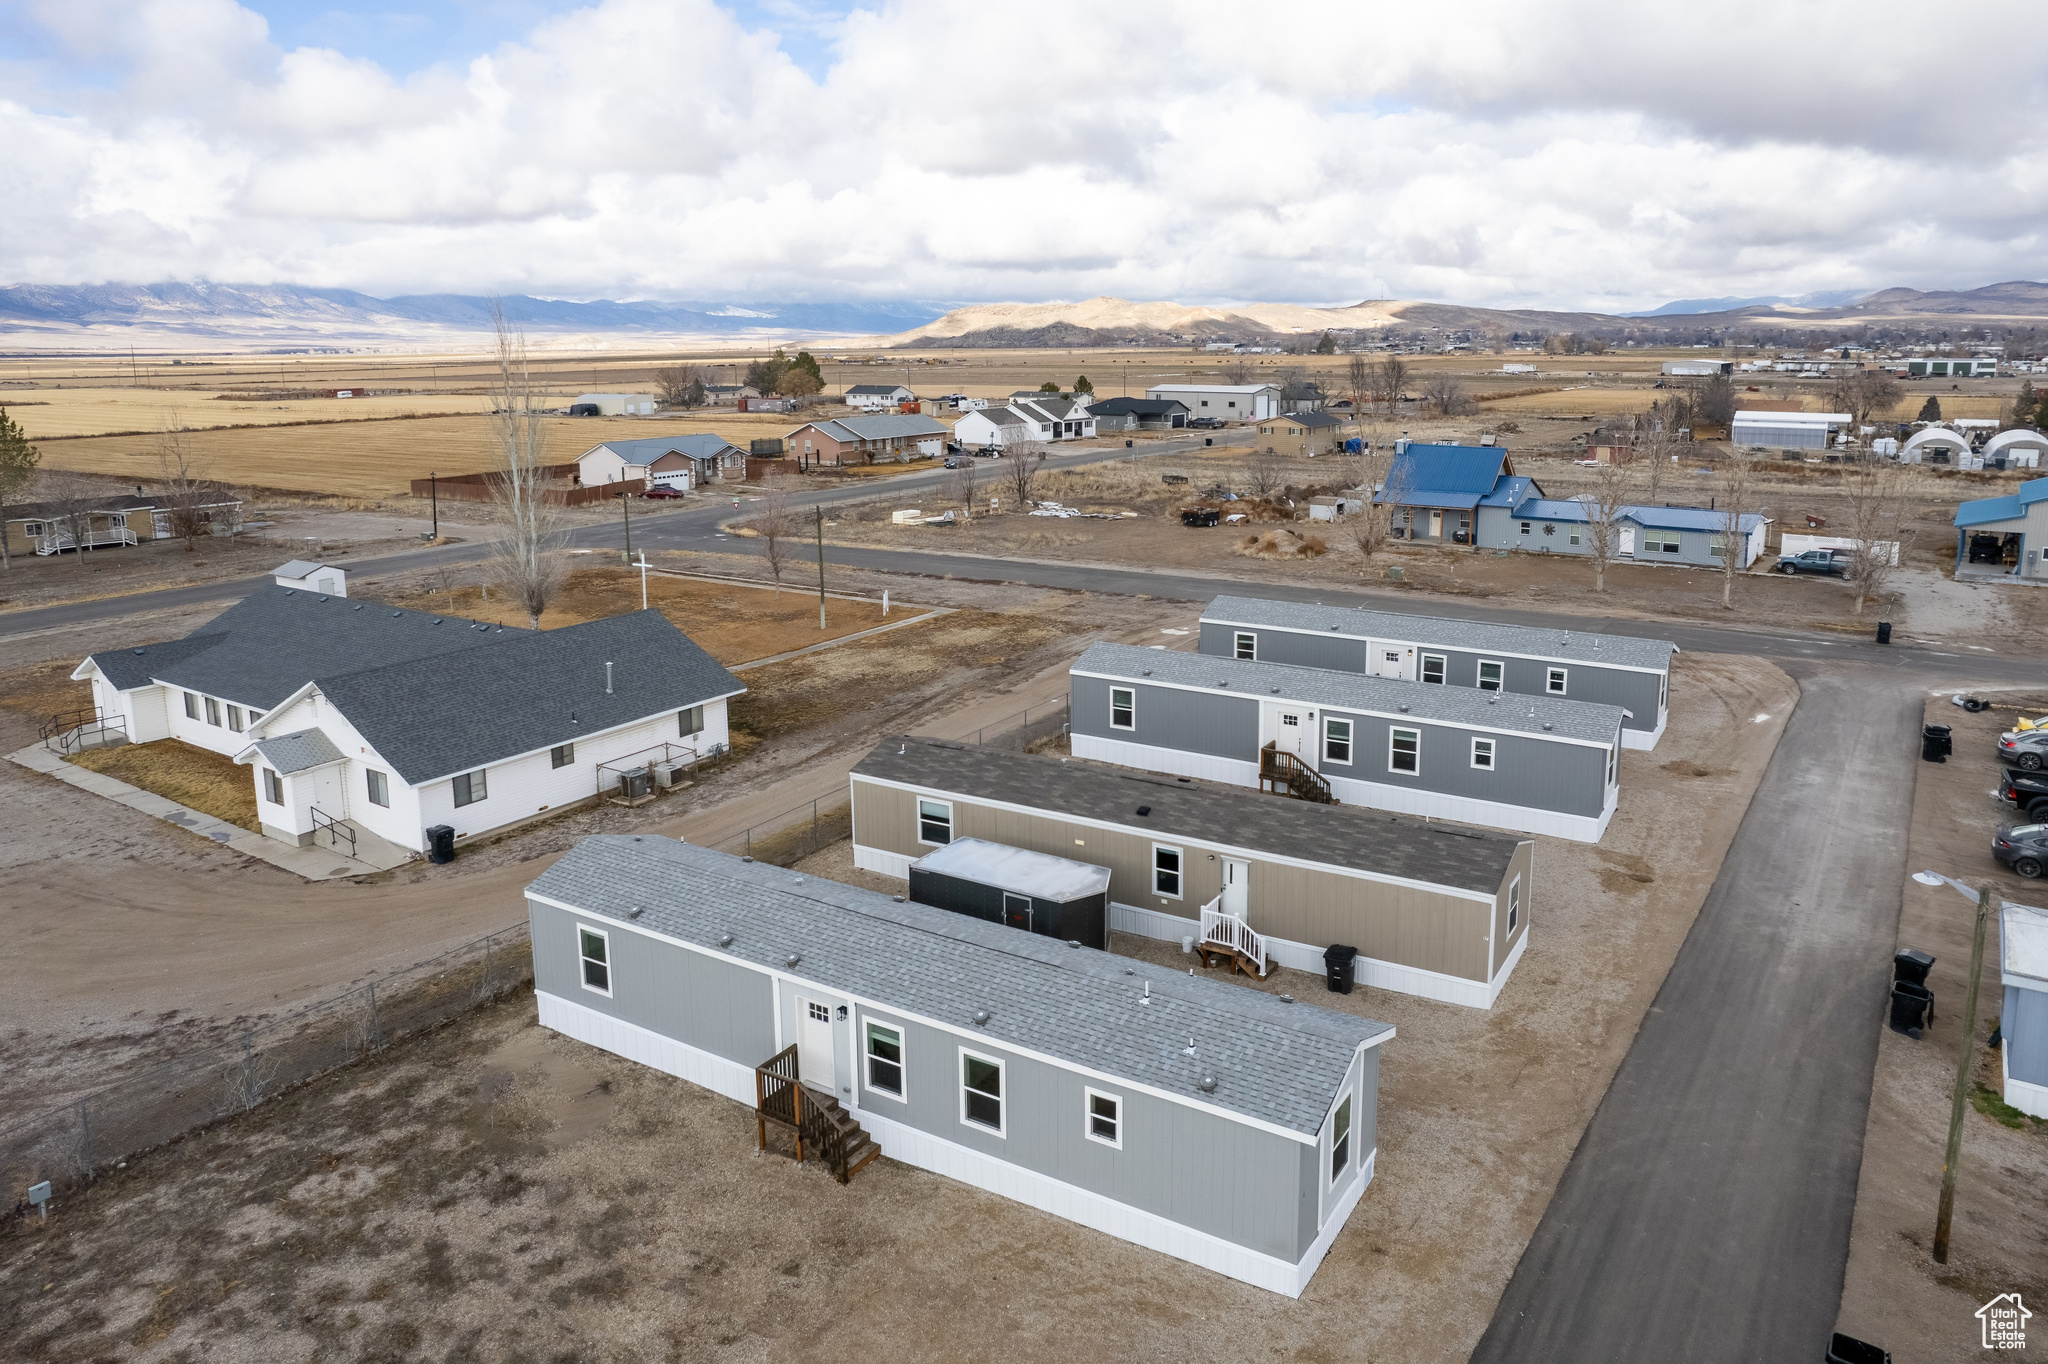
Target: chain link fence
(67, 1145)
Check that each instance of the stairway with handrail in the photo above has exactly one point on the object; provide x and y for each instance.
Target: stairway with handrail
(1282, 773)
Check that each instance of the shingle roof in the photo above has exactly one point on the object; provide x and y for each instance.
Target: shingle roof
(1278, 1063)
(876, 388)
(433, 717)
(646, 450)
(1314, 421)
(1137, 407)
(296, 752)
(1629, 651)
(1335, 835)
(882, 426)
(1541, 716)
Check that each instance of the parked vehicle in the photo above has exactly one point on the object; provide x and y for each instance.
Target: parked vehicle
(2023, 847)
(1833, 561)
(1200, 516)
(2025, 791)
(959, 461)
(663, 490)
(2024, 749)
(1204, 424)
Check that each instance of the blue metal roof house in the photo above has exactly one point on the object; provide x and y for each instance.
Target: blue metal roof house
(2010, 532)
(1443, 488)
(1666, 535)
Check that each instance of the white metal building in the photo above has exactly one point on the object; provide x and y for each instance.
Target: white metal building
(619, 404)
(1788, 430)
(1223, 402)
(327, 580)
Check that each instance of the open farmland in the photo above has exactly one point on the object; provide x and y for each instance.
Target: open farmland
(49, 412)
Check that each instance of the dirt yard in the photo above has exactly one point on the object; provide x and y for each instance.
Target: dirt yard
(492, 1191)
(176, 770)
(1894, 1294)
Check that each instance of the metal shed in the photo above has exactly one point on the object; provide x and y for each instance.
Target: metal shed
(1034, 891)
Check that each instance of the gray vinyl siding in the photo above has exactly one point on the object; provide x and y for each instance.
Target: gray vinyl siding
(1523, 866)
(1320, 1196)
(1339, 653)
(1170, 1152)
(1503, 530)
(1695, 547)
(716, 1006)
(1537, 774)
(1222, 725)
(2024, 1021)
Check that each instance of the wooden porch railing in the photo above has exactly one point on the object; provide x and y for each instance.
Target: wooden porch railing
(1226, 933)
(834, 1137)
(1284, 774)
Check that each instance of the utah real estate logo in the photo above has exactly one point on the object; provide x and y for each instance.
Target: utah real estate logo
(2005, 1322)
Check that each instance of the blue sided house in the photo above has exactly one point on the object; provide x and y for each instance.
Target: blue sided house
(1447, 493)
(2007, 535)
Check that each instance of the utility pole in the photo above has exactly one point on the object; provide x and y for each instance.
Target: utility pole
(434, 491)
(821, 565)
(1963, 1061)
(626, 514)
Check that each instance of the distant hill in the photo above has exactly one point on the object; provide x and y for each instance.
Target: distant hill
(1686, 306)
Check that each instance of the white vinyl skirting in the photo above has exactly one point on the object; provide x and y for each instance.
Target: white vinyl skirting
(887, 863)
(913, 1146)
(1643, 738)
(2027, 1098)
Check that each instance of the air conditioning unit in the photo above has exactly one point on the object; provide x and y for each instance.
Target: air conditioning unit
(670, 772)
(634, 785)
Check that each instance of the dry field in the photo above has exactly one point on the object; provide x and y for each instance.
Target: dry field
(46, 412)
(192, 776)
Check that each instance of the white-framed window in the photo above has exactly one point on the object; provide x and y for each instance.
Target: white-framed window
(32, 528)
(1525, 527)
(1610, 763)
(1340, 1139)
(236, 722)
(213, 712)
(1166, 877)
(273, 787)
(1717, 546)
(1482, 754)
(380, 787)
(594, 959)
(1575, 535)
(1434, 668)
(1554, 681)
(981, 1091)
(1102, 1118)
(1123, 708)
(1489, 674)
(1247, 645)
(192, 711)
(1336, 741)
(470, 788)
(690, 721)
(1514, 905)
(562, 755)
(934, 822)
(1404, 751)
(884, 1049)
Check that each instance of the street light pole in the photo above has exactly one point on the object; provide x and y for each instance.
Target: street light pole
(1963, 1062)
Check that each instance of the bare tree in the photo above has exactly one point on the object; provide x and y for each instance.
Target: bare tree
(675, 385)
(1656, 443)
(527, 560)
(73, 501)
(1877, 494)
(1237, 372)
(1379, 478)
(1392, 376)
(1864, 394)
(966, 484)
(1021, 462)
(1358, 384)
(185, 492)
(1264, 473)
(18, 460)
(1614, 486)
(1446, 396)
(777, 525)
(1734, 490)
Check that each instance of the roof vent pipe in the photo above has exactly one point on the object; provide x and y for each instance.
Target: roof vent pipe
(607, 678)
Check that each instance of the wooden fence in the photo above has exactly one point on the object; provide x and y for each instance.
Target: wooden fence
(479, 488)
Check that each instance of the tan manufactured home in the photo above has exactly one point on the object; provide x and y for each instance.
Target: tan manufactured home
(1434, 909)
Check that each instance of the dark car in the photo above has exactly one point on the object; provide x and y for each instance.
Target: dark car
(1834, 561)
(2023, 847)
(2025, 749)
(2026, 792)
(959, 461)
(1204, 424)
(662, 490)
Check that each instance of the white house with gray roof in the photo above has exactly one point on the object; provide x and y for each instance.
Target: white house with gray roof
(1539, 764)
(1629, 671)
(390, 722)
(1223, 1126)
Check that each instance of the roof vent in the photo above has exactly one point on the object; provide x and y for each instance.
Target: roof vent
(1287, 999)
(981, 1018)
(725, 941)
(1146, 998)
(138, 653)
(607, 678)
(897, 898)
(323, 599)
(635, 912)
(1276, 691)
(1073, 942)
(1144, 809)
(1148, 672)
(1130, 971)
(746, 859)
(1207, 1084)
(1190, 1050)
(1548, 725)
(289, 593)
(1336, 627)
(793, 959)
(396, 614)
(357, 607)
(1404, 710)
(1184, 781)
(435, 621)
(1222, 683)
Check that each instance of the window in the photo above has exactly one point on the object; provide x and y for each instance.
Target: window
(1105, 1119)
(1404, 750)
(1554, 682)
(235, 722)
(32, 528)
(212, 712)
(380, 788)
(1247, 645)
(1433, 668)
(191, 706)
(1514, 905)
(1525, 528)
(1610, 766)
(1575, 535)
(1291, 721)
(1123, 708)
(690, 721)
(1660, 541)
(885, 1059)
(1717, 546)
(273, 787)
(469, 789)
(1336, 741)
(562, 755)
(1340, 1139)
(1166, 872)
(981, 1092)
(1482, 754)
(819, 1013)
(1489, 676)
(594, 951)
(935, 821)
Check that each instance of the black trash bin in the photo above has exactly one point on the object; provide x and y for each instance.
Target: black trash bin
(1340, 962)
(1910, 964)
(440, 843)
(1208, 440)
(1849, 1350)
(1884, 632)
(1936, 743)
(1127, 444)
(1912, 1008)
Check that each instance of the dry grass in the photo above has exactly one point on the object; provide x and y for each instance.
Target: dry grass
(43, 689)
(1280, 544)
(99, 411)
(171, 768)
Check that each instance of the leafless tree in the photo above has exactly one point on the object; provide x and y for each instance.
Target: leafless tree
(1021, 462)
(1372, 525)
(1614, 487)
(1237, 372)
(1734, 490)
(185, 493)
(1656, 443)
(1391, 375)
(966, 484)
(777, 525)
(527, 560)
(1864, 394)
(1359, 385)
(1264, 473)
(1445, 395)
(73, 501)
(1877, 494)
(678, 384)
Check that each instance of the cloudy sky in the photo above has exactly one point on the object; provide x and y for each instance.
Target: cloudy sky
(1527, 154)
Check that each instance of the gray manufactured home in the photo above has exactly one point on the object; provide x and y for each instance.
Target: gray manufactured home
(1433, 909)
(1221, 1125)
(1613, 670)
(1540, 764)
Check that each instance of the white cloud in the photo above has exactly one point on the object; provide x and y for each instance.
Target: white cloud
(1509, 154)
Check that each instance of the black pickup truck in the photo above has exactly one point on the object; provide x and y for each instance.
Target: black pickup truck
(2026, 792)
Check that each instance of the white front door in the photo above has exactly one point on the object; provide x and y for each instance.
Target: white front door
(1291, 738)
(1391, 660)
(817, 1060)
(327, 793)
(1235, 875)
(1628, 542)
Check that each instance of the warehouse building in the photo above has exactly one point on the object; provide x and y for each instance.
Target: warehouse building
(1787, 430)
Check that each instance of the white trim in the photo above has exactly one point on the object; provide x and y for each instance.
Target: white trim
(1132, 692)
(1394, 732)
(1492, 753)
(1350, 740)
(1479, 674)
(1443, 662)
(2024, 1095)
(1001, 1096)
(649, 1048)
(886, 862)
(1557, 674)
(861, 1057)
(582, 976)
(1346, 1095)
(924, 842)
(1514, 903)
(1238, 638)
(1179, 873)
(1089, 1094)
